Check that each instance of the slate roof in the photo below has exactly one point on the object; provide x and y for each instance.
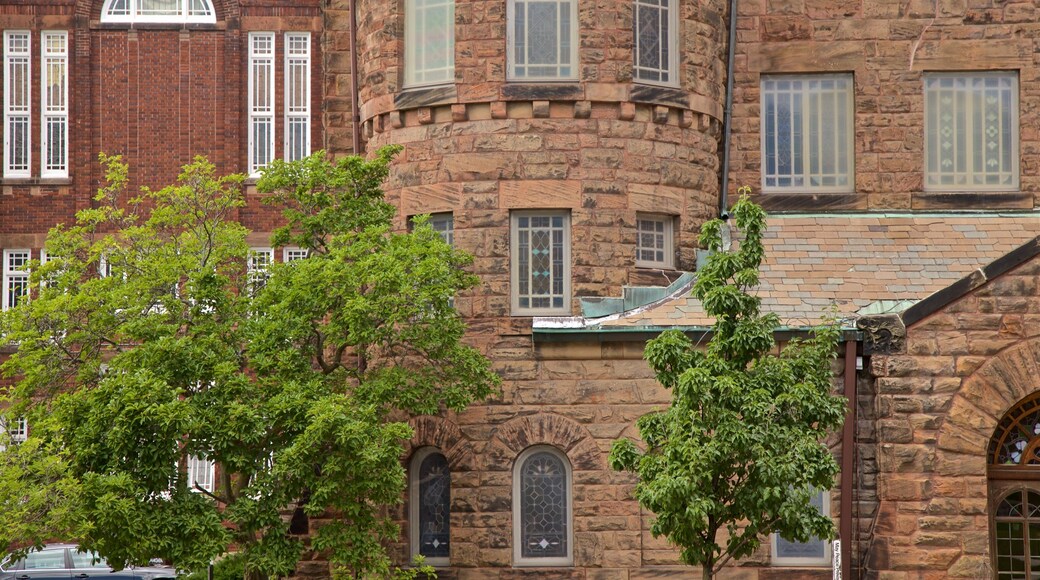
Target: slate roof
(860, 263)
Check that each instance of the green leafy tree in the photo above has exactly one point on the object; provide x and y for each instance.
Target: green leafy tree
(740, 447)
(147, 342)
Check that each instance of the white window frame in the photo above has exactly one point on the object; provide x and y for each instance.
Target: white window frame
(806, 175)
(133, 13)
(57, 113)
(257, 113)
(672, 66)
(514, 263)
(255, 271)
(413, 505)
(780, 561)
(292, 254)
(415, 40)
(668, 231)
(972, 133)
(296, 112)
(11, 59)
(10, 273)
(18, 432)
(207, 468)
(511, 41)
(518, 559)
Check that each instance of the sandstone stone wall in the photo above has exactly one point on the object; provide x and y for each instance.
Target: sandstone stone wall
(938, 405)
(602, 147)
(888, 45)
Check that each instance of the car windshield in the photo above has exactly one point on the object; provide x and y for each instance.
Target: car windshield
(88, 560)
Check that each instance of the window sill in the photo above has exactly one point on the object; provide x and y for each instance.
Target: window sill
(36, 181)
(541, 90)
(655, 267)
(651, 94)
(98, 25)
(427, 96)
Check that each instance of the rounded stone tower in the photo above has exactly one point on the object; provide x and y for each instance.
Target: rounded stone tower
(567, 171)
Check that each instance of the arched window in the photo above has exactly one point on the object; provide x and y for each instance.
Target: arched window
(542, 510)
(430, 506)
(1017, 527)
(176, 11)
(1016, 442)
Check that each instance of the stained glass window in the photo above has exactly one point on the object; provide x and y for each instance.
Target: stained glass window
(541, 262)
(655, 27)
(543, 482)
(807, 133)
(654, 241)
(429, 28)
(431, 506)
(971, 131)
(543, 39)
(1016, 441)
(158, 11)
(1017, 529)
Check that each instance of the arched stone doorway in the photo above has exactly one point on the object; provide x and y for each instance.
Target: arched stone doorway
(1014, 492)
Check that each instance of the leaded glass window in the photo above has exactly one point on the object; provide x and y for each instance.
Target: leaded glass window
(655, 24)
(261, 101)
(1017, 529)
(1016, 441)
(543, 39)
(807, 133)
(430, 510)
(815, 552)
(429, 28)
(542, 508)
(17, 103)
(654, 241)
(158, 11)
(541, 262)
(971, 131)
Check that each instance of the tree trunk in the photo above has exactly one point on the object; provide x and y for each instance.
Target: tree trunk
(706, 573)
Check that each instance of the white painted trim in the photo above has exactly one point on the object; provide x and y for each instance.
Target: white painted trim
(267, 60)
(28, 113)
(669, 241)
(8, 272)
(519, 560)
(292, 109)
(45, 115)
(135, 16)
(413, 505)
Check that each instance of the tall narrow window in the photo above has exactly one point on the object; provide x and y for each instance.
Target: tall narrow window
(260, 260)
(55, 122)
(807, 133)
(971, 131)
(656, 25)
(540, 268)
(543, 40)
(429, 36)
(444, 224)
(1017, 527)
(430, 506)
(16, 277)
(297, 95)
(201, 473)
(542, 509)
(17, 104)
(815, 552)
(261, 101)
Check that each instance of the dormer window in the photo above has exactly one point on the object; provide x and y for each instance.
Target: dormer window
(161, 11)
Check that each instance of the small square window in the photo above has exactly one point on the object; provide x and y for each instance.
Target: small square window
(540, 245)
(807, 131)
(816, 552)
(971, 131)
(655, 241)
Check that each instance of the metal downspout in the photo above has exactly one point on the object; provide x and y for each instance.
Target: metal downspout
(728, 114)
(848, 451)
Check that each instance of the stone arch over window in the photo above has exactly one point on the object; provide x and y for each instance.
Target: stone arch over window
(158, 11)
(444, 435)
(514, 436)
(543, 508)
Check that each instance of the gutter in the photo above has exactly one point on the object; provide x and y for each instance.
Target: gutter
(355, 122)
(728, 116)
(848, 451)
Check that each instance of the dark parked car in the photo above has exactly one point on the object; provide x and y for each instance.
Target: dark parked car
(65, 562)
